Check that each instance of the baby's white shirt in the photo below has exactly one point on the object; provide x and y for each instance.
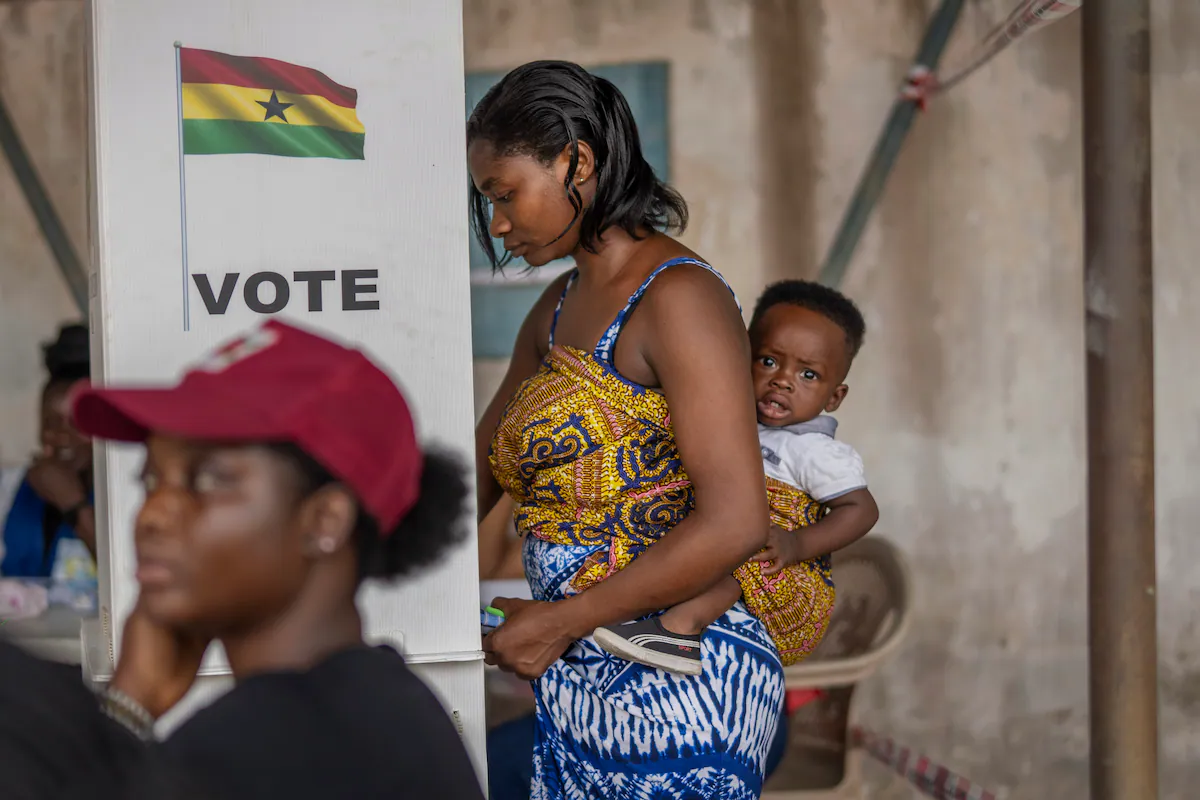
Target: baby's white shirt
(807, 456)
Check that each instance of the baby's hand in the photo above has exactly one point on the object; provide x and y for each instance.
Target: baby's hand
(781, 551)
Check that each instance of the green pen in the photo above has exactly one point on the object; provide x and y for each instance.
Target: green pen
(491, 617)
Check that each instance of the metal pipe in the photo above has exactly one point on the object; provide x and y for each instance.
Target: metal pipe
(44, 211)
(1118, 267)
(887, 150)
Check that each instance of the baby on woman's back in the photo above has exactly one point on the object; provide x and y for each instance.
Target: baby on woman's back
(804, 338)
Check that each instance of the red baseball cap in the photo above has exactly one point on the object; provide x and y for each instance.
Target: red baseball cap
(282, 384)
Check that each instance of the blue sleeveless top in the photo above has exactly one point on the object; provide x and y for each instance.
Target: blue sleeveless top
(25, 552)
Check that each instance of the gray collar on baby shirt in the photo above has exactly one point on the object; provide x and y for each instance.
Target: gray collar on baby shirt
(823, 424)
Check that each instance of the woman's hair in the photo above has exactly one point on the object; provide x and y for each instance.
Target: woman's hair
(68, 358)
(542, 108)
(434, 525)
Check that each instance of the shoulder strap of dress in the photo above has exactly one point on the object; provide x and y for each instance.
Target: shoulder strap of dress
(608, 342)
(558, 308)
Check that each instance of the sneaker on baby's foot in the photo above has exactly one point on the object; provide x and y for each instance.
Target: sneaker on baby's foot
(648, 642)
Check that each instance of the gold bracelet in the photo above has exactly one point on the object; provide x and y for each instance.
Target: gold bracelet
(129, 713)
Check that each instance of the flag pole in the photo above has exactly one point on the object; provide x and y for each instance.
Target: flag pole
(187, 322)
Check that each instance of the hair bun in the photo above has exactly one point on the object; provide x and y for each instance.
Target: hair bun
(70, 353)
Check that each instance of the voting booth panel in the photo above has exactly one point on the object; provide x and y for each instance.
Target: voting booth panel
(268, 157)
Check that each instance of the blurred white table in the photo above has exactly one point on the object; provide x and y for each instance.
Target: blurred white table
(490, 590)
(55, 635)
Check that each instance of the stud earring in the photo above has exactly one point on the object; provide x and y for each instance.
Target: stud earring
(326, 545)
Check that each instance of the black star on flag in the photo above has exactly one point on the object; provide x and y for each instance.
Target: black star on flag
(274, 107)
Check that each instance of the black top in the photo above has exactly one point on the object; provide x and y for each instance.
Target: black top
(358, 725)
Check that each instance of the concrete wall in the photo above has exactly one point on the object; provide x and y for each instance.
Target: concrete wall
(1176, 66)
(42, 82)
(967, 401)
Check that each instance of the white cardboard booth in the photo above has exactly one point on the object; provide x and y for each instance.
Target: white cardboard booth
(356, 226)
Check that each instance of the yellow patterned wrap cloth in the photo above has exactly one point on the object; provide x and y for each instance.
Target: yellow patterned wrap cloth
(796, 603)
(590, 460)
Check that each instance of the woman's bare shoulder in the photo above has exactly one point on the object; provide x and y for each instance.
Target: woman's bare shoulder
(696, 286)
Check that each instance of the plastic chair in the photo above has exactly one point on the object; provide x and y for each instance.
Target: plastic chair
(870, 620)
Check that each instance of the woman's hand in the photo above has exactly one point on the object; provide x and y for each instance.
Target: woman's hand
(157, 665)
(56, 483)
(534, 635)
(782, 550)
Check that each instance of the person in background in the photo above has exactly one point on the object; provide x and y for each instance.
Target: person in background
(278, 476)
(49, 528)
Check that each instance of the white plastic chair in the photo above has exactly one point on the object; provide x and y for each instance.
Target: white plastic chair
(870, 620)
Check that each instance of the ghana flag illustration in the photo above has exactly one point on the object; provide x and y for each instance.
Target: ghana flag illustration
(241, 104)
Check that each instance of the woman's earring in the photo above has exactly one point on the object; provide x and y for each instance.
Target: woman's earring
(326, 545)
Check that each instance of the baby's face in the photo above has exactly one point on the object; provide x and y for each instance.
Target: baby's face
(800, 361)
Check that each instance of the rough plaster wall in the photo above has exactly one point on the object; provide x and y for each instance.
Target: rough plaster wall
(968, 400)
(1176, 67)
(42, 82)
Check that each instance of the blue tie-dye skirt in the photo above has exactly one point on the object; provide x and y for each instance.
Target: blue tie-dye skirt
(607, 728)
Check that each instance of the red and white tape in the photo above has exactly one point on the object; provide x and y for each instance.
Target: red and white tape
(931, 778)
(1027, 17)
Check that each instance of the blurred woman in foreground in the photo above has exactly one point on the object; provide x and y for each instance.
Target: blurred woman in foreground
(278, 476)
